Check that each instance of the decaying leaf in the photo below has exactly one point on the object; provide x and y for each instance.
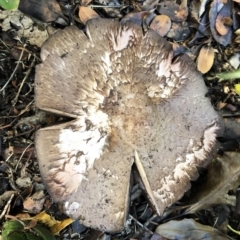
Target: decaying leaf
(205, 59)
(223, 175)
(86, 13)
(24, 182)
(222, 11)
(135, 17)
(161, 24)
(5, 197)
(85, 2)
(13, 230)
(174, 11)
(46, 11)
(179, 31)
(189, 229)
(34, 204)
(220, 26)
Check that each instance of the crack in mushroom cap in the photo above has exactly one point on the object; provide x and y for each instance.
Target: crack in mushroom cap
(126, 93)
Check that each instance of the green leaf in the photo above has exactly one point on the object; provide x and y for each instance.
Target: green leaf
(14, 230)
(10, 227)
(16, 235)
(43, 232)
(32, 236)
(229, 75)
(9, 4)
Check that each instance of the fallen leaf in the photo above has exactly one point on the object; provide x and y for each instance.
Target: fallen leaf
(46, 10)
(218, 9)
(24, 182)
(34, 204)
(85, 2)
(237, 88)
(220, 27)
(9, 5)
(46, 219)
(189, 229)
(161, 24)
(86, 13)
(135, 17)
(60, 226)
(174, 11)
(229, 75)
(223, 175)
(5, 197)
(221, 105)
(13, 230)
(52, 223)
(178, 31)
(205, 59)
(149, 5)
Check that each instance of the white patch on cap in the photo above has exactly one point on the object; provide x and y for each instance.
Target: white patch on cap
(80, 145)
(107, 63)
(72, 208)
(122, 39)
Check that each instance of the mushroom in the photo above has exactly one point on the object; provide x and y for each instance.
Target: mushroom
(126, 94)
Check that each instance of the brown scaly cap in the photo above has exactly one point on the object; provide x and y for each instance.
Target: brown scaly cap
(126, 93)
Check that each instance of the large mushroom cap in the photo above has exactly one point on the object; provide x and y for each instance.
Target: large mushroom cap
(126, 94)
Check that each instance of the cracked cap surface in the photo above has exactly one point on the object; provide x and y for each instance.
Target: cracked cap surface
(126, 93)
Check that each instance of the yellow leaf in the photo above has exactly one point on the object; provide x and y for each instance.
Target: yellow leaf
(61, 225)
(52, 223)
(237, 88)
(46, 219)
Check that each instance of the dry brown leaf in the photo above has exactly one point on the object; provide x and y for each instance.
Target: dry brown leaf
(237, 32)
(220, 27)
(173, 10)
(86, 13)
(221, 105)
(237, 39)
(189, 229)
(205, 59)
(34, 204)
(161, 24)
(223, 175)
(85, 2)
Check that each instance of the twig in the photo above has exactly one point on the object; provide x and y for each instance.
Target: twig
(99, 6)
(14, 71)
(6, 206)
(140, 224)
(14, 101)
(22, 155)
